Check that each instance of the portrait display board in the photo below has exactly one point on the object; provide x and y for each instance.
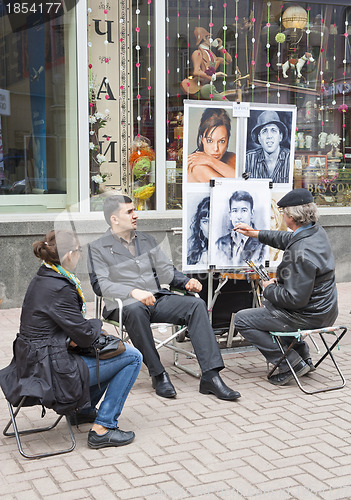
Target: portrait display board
(270, 143)
(234, 201)
(210, 141)
(223, 144)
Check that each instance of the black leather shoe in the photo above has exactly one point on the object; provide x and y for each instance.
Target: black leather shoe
(217, 387)
(163, 386)
(83, 418)
(309, 362)
(113, 437)
(283, 378)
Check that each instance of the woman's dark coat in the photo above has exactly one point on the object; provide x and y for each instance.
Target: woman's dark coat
(42, 368)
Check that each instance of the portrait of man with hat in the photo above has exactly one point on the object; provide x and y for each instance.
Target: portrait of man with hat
(270, 158)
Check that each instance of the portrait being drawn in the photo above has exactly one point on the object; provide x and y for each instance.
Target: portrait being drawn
(270, 144)
(196, 225)
(210, 147)
(234, 201)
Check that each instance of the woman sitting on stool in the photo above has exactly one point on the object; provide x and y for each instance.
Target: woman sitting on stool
(44, 370)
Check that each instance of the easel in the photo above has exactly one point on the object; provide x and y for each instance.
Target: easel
(212, 295)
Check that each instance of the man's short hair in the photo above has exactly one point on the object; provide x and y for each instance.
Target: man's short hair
(241, 196)
(112, 204)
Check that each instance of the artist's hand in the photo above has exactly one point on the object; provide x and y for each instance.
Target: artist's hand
(273, 281)
(145, 297)
(193, 285)
(246, 230)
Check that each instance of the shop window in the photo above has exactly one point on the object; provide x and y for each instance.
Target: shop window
(298, 57)
(38, 139)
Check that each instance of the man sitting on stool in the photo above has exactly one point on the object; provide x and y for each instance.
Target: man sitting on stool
(304, 294)
(129, 265)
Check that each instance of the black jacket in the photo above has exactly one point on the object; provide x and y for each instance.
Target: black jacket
(306, 279)
(114, 272)
(41, 367)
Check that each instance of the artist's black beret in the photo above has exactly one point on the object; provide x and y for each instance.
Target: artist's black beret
(299, 196)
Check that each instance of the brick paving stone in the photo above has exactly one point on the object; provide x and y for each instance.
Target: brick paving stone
(173, 490)
(337, 493)
(46, 486)
(147, 480)
(26, 495)
(184, 477)
(147, 491)
(100, 492)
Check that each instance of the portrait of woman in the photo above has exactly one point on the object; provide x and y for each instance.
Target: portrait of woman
(198, 240)
(211, 157)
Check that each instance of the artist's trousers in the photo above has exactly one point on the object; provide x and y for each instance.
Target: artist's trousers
(255, 324)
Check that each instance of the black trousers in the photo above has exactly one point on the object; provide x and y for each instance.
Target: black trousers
(179, 310)
(256, 323)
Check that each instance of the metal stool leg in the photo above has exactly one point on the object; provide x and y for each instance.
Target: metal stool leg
(17, 433)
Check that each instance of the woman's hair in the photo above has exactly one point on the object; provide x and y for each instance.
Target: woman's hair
(198, 242)
(302, 214)
(55, 245)
(210, 120)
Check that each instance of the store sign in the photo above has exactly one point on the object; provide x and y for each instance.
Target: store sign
(4, 102)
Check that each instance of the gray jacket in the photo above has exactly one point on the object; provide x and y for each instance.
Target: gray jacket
(114, 272)
(306, 278)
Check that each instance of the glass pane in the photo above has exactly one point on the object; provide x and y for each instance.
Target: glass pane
(38, 132)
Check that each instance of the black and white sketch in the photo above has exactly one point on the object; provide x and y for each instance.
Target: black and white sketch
(234, 201)
(270, 143)
(196, 227)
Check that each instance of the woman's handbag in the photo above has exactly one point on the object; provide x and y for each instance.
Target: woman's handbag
(104, 347)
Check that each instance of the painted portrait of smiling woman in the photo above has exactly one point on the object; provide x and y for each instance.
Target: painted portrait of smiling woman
(211, 157)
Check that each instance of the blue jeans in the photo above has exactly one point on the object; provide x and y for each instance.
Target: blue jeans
(117, 376)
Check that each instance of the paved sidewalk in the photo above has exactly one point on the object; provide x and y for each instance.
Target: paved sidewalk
(273, 443)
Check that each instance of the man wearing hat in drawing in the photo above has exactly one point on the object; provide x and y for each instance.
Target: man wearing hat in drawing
(304, 294)
(270, 159)
(205, 65)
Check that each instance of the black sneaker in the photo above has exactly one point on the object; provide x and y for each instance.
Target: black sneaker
(283, 378)
(113, 437)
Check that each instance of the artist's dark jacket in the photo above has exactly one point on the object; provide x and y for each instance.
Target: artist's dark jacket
(114, 272)
(41, 367)
(306, 279)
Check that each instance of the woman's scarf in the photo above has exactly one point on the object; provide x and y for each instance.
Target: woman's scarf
(73, 278)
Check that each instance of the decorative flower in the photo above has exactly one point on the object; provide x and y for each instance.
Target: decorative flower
(100, 158)
(343, 108)
(144, 192)
(333, 139)
(280, 38)
(98, 179)
(210, 71)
